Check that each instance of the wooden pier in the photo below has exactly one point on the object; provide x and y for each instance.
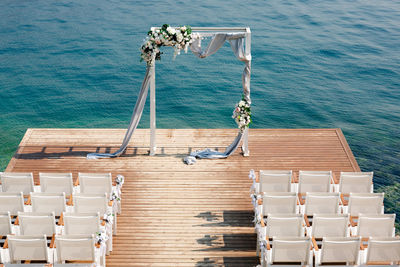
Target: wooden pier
(179, 215)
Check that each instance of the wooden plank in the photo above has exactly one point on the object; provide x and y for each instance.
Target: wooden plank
(179, 215)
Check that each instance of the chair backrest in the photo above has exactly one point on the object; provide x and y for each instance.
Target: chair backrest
(355, 182)
(286, 225)
(329, 225)
(283, 202)
(56, 183)
(48, 202)
(275, 181)
(27, 248)
(372, 225)
(75, 248)
(314, 181)
(340, 250)
(326, 203)
(81, 223)
(85, 203)
(370, 203)
(5, 224)
(291, 250)
(381, 249)
(37, 223)
(15, 182)
(12, 202)
(95, 183)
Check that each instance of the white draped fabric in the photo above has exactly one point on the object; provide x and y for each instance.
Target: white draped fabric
(237, 42)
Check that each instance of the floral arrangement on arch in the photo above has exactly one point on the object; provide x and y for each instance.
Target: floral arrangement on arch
(242, 114)
(179, 38)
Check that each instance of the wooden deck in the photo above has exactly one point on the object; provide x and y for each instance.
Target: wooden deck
(179, 215)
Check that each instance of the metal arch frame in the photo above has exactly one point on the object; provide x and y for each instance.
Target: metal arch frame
(205, 32)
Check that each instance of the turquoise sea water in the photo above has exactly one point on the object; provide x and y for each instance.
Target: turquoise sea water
(316, 64)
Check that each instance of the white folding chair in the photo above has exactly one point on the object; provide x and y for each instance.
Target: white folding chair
(81, 223)
(5, 224)
(86, 203)
(5, 229)
(337, 251)
(78, 248)
(56, 183)
(368, 203)
(328, 225)
(30, 248)
(280, 202)
(313, 182)
(99, 183)
(11, 202)
(274, 181)
(15, 182)
(86, 224)
(354, 182)
(288, 251)
(95, 183)
(324, 203)
(382, 251)
(373, 225)
(288, 225)
(37, 223)
(49, 202)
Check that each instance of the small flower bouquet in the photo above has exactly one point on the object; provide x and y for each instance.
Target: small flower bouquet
(179, 38)
(108, 218)
(242, 114)
(101, 237)
(114, 196)
(119, 180)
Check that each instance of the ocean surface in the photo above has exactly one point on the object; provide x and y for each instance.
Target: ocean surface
(316, 64)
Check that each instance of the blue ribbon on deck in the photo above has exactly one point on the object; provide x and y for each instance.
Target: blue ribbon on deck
(212, 154)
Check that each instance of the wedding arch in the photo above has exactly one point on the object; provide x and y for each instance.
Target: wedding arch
(183, 38)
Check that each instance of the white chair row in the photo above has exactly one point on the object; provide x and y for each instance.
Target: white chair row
(334, 251)
(91, 183)
(56, 202)
(287, 202)
(329, 225)
(31, 223)
(326, 225)
(311, 181)
(67, 248)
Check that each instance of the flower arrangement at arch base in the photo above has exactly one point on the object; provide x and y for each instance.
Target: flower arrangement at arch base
(242, 114)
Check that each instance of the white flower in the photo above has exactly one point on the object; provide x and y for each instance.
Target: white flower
(171, 30)
(120, 179)
(183, 28)
(109, 218)
(101, 237)
(241, 103)
(179, 37)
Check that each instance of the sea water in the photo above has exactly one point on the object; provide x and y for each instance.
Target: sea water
(316, 64)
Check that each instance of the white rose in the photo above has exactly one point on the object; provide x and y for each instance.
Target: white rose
(183, 28)
(241, 103)
(179, 37)
(171, 30)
